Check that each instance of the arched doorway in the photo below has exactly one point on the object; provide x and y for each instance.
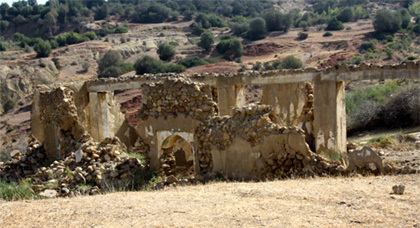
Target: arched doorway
(177, 156)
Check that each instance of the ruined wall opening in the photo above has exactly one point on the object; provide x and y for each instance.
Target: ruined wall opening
(130, 101)
(176, 155)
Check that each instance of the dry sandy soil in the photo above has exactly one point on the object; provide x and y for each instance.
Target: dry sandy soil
(319, 202)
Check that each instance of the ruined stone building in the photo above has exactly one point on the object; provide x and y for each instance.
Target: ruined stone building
(201, 124)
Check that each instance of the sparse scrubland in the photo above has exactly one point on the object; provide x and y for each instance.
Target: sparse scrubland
(75, 40)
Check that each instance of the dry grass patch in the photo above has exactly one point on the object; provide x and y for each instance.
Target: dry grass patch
(319, 202)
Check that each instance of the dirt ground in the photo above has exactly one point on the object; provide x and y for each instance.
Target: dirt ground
(319, 202)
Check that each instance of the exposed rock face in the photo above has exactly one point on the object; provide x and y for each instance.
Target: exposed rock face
(17, 82)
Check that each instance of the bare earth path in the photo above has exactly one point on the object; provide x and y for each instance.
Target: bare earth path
(319, 202)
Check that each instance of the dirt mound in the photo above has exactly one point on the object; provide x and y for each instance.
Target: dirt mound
(262, 49)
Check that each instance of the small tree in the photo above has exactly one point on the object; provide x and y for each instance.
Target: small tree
(165, 51)
(386, 22)
(2, 46)
(334, 25)
(4, 25)
(346, 15)
(206, 40)
(86, 66)
(291, 62)
(42, 48)
(148, 64)
(236, 47)
(111, 58)
(302, 36)
(257, 29)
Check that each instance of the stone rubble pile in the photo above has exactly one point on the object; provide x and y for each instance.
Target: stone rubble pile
(175, 96)
(25, 164)
(97, 165)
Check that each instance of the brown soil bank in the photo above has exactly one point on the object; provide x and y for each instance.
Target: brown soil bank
(320, 202)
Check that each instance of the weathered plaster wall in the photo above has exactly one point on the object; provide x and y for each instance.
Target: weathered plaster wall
(288, 101)
(330, 118)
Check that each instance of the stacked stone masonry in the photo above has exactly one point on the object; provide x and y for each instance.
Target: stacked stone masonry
(79, 126)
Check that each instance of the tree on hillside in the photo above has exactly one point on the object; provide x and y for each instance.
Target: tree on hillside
(257, 29)
(386, 21)
(334, 25)
(206, 40)
(102, 12)
(277, 21)
(405, 18)
(42, 48)
(291, 62)
(346, 15)
(110, 59)
(166, 51)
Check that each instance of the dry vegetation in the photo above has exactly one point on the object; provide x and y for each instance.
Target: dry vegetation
(319, 202)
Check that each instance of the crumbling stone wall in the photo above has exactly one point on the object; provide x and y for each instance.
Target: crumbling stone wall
(176, 96)
(175, 104)
(251, 144)
(58, 115)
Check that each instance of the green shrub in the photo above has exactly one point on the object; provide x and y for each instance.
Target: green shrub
(127, 67)
(386, 21)
(86, 66)
(223, 46)
(121, 30)
(346, 15)
(206, 40)
(302, 36)
(4, 25)
(257, 29)
(192, 61)
(411, 58)
(368, 46)
(43, 49)
(15, 191)
(389, 52)
(230, 44)
(166, 51)
(111, 72)
(176, 68)
(174, 44)
(291, 62)
(382, 141)
(111, 58)
(390, 105)
(91, 35)
(148, 64)
(196, 29)
(327, 34)
(334, 25)
(2, 46)
(389, 38)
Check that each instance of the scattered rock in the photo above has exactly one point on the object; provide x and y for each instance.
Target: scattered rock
(49, 193)
(398, 189)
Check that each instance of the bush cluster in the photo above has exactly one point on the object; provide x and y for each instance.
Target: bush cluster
(392, 105)
(148, 64)
(111, 65)
(230, 45)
